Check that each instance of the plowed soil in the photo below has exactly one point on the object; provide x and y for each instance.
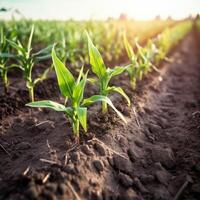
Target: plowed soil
(156, 156)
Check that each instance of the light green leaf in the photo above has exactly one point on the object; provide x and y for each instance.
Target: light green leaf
(79, 90)
(82, 116)
(30, 40)
(120, 91)
(65, 78)
(48, 104)
(96, 61)
(101, 98)
(93, 80)
(116, 70)
(42, 77)
(128, 47)
(80, 75)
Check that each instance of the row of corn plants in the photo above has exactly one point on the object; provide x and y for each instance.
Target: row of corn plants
(106, 35)
(145, 58)
(141, 62)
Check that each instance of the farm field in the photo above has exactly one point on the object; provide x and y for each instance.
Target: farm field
(100, 110)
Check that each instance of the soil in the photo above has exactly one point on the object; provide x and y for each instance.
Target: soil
(150, 158)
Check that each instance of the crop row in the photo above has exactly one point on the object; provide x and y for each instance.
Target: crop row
(75, 107)
(106, 35)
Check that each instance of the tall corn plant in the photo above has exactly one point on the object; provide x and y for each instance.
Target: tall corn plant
(74, 91)
(27, 59)
(104, 74)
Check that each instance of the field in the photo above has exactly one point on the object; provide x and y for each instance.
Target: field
(100, 110)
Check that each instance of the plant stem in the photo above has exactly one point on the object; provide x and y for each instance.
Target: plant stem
(140, 75)
(133, 83)
(5, 80)
(31, 94)
(104, 107)
(76, 127)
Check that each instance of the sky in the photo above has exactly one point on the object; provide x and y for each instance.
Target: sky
(101, 9)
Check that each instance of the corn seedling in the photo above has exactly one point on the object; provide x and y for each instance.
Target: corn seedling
(133, 69)
(104, 74)
(74, 91)
(5, 56)
(143, 61)
(27, 60)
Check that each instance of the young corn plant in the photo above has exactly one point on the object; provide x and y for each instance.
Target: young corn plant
(74, 91)
(27, 60)
(5, 56)
(104, 74)
(144, 60)
(133, 69)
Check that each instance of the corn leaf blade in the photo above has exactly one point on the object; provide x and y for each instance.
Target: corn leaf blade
(79, 89)
(48, 104)
(128, 47)
(65, 78)
(82, 116)
(116, 70)
(96, 61)
(101, 98)
(120, 91)
(30, 40)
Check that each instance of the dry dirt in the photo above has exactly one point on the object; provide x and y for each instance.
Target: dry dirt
(151, 158)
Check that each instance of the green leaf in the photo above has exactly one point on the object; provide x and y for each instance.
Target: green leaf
(79, 90)
(41, 58)
(80, 75)
(44, 51)
(7, 55)
(48, 104)
(141, 51)
(96, 61)
(1, 36)
(42, 77)
(101, 98)
(17, 47)
(93, 80)
(116, 70)
(65, 78)
(120, 91)
(82, 116)
(15, 66)
(30, 40)
(128, 47)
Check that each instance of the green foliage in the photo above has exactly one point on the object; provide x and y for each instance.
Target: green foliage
(73, 49)
(104, 74)
(155, 51)
(74, 91)
(27, 59)
(133, 69)
(6, 55)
